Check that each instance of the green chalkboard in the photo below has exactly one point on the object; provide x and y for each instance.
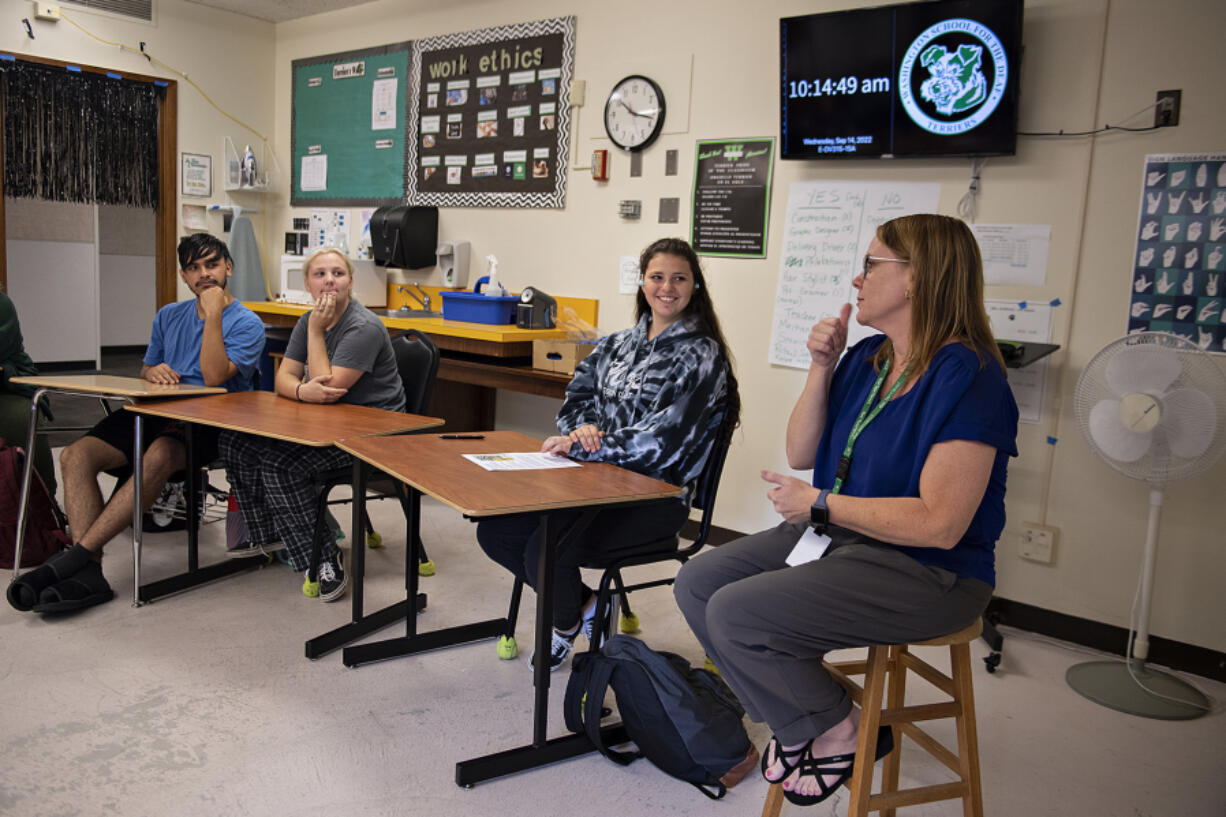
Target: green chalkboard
(348, 127)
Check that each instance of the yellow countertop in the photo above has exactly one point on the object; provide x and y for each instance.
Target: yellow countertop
(496, 333)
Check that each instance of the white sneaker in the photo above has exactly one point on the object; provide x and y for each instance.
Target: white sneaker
(332, 578)
(563, 644)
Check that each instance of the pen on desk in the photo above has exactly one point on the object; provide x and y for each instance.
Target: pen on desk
(461, 436)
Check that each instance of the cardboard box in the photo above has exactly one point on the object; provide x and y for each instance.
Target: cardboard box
(559, 355)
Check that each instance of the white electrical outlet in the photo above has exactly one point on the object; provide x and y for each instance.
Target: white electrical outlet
(46, 11)
(1038, 542)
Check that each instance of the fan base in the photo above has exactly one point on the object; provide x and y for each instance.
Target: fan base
(1109, 684)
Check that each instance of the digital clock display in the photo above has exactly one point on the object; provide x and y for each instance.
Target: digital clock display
(918, 79)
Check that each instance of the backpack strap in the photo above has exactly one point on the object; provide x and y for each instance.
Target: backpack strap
(591, 678)
(702, 787)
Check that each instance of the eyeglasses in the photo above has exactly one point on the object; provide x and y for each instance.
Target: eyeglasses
(869, 260)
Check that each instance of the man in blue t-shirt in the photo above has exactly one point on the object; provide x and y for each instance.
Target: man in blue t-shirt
(212, 340)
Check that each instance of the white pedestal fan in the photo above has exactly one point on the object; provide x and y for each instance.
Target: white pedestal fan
(1153, 407)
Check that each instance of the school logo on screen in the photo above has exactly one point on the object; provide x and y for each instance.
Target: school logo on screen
(958, 70)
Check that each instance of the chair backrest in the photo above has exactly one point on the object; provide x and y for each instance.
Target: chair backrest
(708, 480)
(417, 361)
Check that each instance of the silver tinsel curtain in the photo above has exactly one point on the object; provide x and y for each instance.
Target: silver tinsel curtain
(81, 137)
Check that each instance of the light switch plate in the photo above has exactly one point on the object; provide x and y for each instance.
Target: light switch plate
(670, 209)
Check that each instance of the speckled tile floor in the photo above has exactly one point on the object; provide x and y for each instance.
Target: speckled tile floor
(202, 704)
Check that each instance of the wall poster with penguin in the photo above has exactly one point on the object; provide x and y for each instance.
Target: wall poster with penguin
(489, 116)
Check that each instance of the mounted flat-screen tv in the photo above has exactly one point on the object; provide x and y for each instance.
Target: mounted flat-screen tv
(924, 79)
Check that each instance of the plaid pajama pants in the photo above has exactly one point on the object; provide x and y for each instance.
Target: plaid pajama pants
(273, 482)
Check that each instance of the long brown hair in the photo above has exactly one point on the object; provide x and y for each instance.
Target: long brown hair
(700, 309)
(946, 288)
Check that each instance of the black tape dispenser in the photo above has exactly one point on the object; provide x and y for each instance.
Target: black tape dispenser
(536, 310)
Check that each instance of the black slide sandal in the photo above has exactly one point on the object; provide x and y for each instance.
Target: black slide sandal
(85, 588)
(23, 594)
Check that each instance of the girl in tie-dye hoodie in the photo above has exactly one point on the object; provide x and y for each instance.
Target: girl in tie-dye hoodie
(651, 399)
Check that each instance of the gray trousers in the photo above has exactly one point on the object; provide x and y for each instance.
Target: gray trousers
(766, 626)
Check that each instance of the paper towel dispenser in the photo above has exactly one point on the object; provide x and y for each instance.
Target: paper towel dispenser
(404, 237)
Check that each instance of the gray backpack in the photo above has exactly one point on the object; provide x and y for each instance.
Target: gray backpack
(684, 720)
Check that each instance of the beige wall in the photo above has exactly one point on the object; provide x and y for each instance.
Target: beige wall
(1087, 62)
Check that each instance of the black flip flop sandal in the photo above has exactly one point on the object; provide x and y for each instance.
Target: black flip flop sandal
(85, 588)
(788, 760)
(819, 768)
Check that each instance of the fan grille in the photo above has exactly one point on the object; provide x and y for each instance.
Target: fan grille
(1161, 461)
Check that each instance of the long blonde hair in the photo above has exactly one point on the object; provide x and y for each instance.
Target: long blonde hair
(946, 288)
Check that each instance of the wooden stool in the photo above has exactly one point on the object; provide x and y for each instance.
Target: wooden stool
(885, 672)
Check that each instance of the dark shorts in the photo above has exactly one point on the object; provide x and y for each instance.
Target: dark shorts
(118, 431)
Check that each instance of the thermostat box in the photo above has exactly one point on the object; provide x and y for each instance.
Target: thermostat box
(560, 355)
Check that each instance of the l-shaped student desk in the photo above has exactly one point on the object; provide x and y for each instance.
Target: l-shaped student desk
(105, 387)
(264, 414)
(433, 464)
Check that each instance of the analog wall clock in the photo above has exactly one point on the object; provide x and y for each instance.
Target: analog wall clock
(634, 112)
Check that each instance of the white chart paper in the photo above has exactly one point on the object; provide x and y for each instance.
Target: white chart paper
(520, 461)
(1013, 253)
(314, 174)
(383, 104)
(628, 274)
(1010, 321)
(827, 232)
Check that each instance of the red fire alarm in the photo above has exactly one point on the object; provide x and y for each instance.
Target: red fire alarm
(600, 165)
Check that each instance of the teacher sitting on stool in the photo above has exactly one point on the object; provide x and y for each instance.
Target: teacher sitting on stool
(908, 437)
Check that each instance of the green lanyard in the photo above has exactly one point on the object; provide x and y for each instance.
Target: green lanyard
(868, 412)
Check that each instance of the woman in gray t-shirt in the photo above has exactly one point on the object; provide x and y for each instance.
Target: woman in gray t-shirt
(338, 352)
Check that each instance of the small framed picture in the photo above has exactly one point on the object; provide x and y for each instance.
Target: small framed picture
(197, 174)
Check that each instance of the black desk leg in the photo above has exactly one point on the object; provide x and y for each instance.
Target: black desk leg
(361, 624)
(544, 629)
(542, 751)
(193, 495)
(412, 641)
(190, 490)
(412, 557)
(358, 551)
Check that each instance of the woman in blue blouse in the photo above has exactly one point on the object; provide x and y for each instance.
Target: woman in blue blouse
(908, 437)
(648, 398)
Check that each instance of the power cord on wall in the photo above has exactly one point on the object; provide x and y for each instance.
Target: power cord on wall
(155, 61)
(1104, 128)
(968, 205)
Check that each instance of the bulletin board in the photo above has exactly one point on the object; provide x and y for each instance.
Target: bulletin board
(489, 116)
(348, 127)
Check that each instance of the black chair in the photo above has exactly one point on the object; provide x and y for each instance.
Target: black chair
(417, 360)
(662, 550)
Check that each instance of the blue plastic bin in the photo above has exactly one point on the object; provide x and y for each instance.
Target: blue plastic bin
(477, 308)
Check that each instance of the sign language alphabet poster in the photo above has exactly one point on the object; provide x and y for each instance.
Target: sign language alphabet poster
(1179, 266)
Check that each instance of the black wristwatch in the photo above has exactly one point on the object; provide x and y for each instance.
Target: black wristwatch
(819, 514)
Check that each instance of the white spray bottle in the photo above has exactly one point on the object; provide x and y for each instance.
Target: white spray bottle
(493, 287)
